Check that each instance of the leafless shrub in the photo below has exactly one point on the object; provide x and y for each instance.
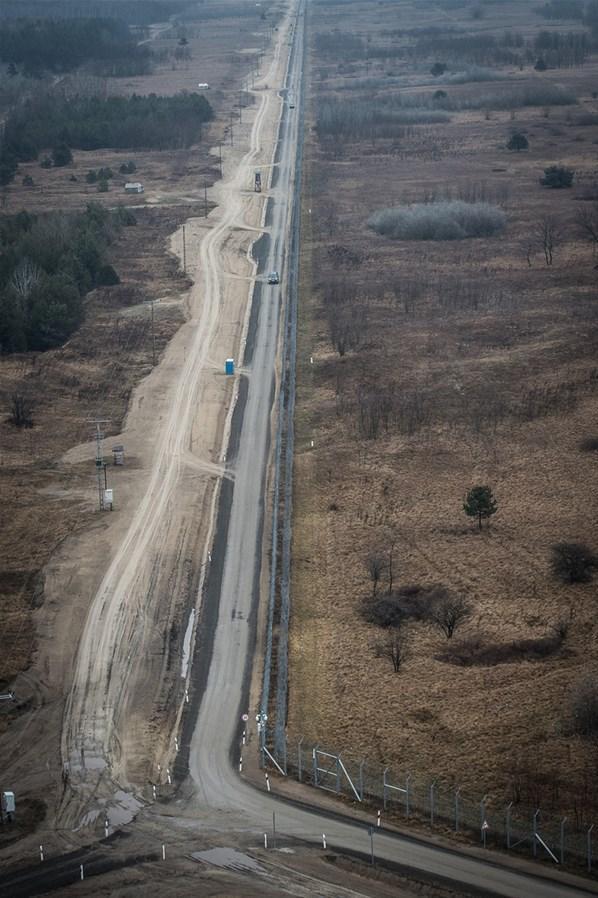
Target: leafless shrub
(548, 234)
(347, 328)
(453, 220)
(584, 708)
(477, 652)
(375, 565)
(21, 410)
(587, 224)
(573, 562)
(589, 444)
(449, 612)
(394, 646)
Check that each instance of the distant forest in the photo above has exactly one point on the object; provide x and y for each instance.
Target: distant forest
(135, 12)
(61, 45)
(90, 123)
(47, 265)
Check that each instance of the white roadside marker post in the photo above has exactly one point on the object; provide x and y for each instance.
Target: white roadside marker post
(267, 782)
(163, 851)
(82, 874)
(153, 792)
(378, 820)
(106, 825)
(324, 841)
(265, 840)
(41, 852)
(168, 776)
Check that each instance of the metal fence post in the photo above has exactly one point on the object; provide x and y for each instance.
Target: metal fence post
(534, 833)
(432, 787)
(299, 760)
(589, 837)
(338, 774)
(361, 779)
(508, 822)
(315, 760)
(563, 821)
(384, 788)
(407, 785)
(457, 796)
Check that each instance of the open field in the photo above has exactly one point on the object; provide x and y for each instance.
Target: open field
(438, 365)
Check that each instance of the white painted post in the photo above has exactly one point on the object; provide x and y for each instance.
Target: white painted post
(154, 791)
(244, 737)
(324, 841)
(267, 782)
(41, 852)
(163, 851)
(106, 825)
(187, 696)
(265, 840)
(82, 874)
(168, 776)
(240, 765)
(378, 822)
(176, 744)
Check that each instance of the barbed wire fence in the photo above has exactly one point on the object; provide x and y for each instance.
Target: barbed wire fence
(513, 826)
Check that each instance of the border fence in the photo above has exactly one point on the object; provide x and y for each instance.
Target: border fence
(526, 830)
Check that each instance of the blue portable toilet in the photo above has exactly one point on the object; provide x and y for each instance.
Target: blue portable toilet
(229, 366)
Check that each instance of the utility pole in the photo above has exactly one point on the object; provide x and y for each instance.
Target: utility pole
(99, 436)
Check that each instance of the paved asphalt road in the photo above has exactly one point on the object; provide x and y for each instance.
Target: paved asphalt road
(213, 771)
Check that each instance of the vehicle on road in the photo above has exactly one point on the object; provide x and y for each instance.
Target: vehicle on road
(274, 277)
(203, 85)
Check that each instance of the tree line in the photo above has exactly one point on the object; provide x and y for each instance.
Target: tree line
(90, 123)
(131, 11)
(61, 45)
(47, 265)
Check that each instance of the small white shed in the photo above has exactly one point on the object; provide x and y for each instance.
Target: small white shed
(133, 187)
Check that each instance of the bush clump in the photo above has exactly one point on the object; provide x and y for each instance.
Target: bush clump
(451, 220)
(413, 602)
(584, 707)
(476, 652)
(573, 562)
(557, 177)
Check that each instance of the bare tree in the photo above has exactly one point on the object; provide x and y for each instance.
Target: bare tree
(376, 565)
(25, 278)
(390, 563)
(587, 223)
(449, 612)
(394, 646)
(548, 236)
(21, 410)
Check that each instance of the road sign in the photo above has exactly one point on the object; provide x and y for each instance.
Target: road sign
(244, 717)
(485, 825)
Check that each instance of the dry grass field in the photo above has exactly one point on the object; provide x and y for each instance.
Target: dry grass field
(482, 359)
